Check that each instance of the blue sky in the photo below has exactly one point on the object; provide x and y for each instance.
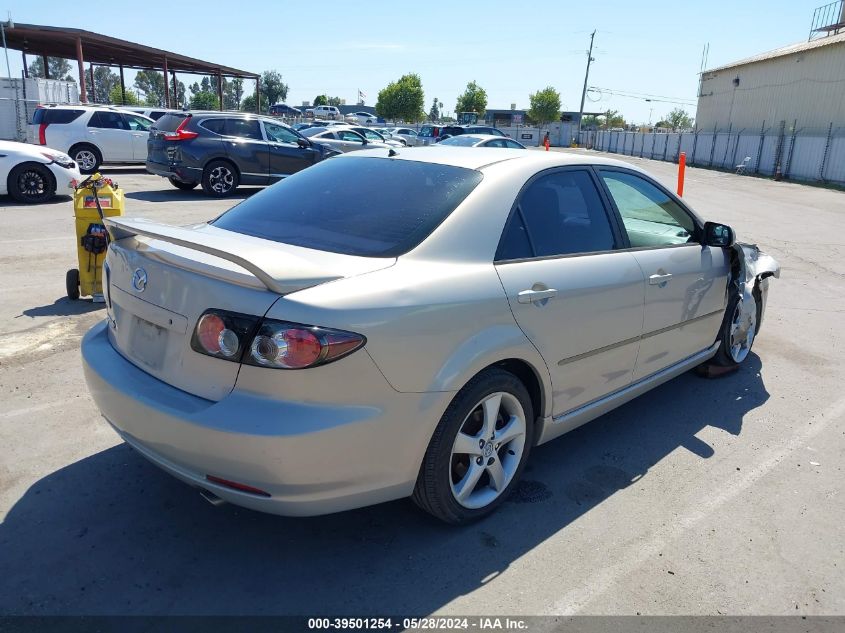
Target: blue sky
(510, 48)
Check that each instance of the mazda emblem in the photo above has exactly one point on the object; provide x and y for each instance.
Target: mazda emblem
(139, 279)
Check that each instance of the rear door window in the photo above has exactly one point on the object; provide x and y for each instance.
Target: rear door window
(332, 205)
(244, 128)
(561, 214)
(214, 125)
(137, 123)
(104, 119)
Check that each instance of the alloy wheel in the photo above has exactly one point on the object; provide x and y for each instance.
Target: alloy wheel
(86, 159)
(32, 184)
(743, 329)
(487, 450)
(221, 180)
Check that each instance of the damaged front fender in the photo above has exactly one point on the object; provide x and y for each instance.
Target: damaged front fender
(752, 270)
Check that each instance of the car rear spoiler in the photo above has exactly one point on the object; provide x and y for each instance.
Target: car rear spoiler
(281, 272)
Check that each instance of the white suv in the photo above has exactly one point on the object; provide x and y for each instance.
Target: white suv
(324, 112)
(92, 135)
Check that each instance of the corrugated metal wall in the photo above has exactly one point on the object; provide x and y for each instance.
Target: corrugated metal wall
(799, 156)
(808, 86)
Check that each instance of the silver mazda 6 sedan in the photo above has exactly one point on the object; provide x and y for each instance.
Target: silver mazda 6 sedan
(409, 323)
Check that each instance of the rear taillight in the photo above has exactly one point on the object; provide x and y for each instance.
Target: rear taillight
(42, 134)
(270, 343)
(180, 133)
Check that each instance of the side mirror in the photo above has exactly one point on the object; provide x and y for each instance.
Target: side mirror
(303, 143)
(718, 234)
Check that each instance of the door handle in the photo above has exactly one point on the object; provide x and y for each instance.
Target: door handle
(530, 296)
(659, 280)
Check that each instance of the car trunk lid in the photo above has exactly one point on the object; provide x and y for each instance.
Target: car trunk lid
(160, 279)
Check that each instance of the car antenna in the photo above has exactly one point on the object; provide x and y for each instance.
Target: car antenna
(392, 152)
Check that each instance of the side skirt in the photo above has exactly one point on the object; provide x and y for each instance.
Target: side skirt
(558, 425)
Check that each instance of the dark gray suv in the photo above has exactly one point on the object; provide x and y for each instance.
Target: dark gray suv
(221, 150)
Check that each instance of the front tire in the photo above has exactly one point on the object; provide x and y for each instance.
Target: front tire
(220, 179)
(738, 331)
(31, 183)
(478, 450)
(182, 185)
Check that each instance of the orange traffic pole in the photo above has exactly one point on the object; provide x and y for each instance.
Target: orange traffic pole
(682, 166)
(546, 143)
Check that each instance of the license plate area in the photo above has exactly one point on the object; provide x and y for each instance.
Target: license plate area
(147, 342)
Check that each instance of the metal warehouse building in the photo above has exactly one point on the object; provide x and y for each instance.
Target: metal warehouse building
(802, 84)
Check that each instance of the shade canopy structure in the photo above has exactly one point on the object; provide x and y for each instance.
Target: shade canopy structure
(96, 48)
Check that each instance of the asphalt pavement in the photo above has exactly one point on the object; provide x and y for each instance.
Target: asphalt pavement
(720, 496)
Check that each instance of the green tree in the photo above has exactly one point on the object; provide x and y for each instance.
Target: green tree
(248, 104)
(590, 120)
(402, 99)
(434, 113)
(612, 119)
(58, 66)
(205, 100)
(150, 83)
(474, 99)
(320, 100)
(116, 97)
(104, 81)
(545, 105)
(334, 101)
(679, 119)
(272, 87)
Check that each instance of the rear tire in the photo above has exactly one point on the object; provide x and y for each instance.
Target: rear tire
(72, 284)
(220, 179)
(184, 186)
(478, 450)
(87, 157)
(31, 183)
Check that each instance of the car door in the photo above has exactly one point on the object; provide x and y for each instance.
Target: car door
(285, 155)
(573, 293)
(246, 146)
(686, 281)
(140, 129)
(111, 134)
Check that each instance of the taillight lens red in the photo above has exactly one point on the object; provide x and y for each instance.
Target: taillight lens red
(180, 133)
(270, 343)
(42, 134)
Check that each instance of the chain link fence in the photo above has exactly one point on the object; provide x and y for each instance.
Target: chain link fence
(781, 150)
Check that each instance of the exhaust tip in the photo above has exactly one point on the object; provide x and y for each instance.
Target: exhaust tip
(212, 498)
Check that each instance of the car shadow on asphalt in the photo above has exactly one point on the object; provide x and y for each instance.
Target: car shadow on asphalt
(111, 534)
(176, 195)
(64, 307)
(9, 202)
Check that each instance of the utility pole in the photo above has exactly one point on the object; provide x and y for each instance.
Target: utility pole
(586, 77)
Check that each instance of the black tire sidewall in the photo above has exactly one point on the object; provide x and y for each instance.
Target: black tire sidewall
(206, 178)
(434, 473)
(18, 195)
(72, 284)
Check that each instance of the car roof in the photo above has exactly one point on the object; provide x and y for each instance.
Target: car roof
(480, 157)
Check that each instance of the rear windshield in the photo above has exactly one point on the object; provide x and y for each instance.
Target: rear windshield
(365, 206)
(49, 116)
(462, 139)
(169, 122)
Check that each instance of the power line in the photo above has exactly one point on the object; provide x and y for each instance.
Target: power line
(639, 95)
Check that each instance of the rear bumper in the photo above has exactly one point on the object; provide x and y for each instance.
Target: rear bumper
(311, 458)
(179, 172)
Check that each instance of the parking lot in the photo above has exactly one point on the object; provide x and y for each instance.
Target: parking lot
(721, 496)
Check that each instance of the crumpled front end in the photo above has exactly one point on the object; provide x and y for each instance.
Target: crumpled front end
(754, 270)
